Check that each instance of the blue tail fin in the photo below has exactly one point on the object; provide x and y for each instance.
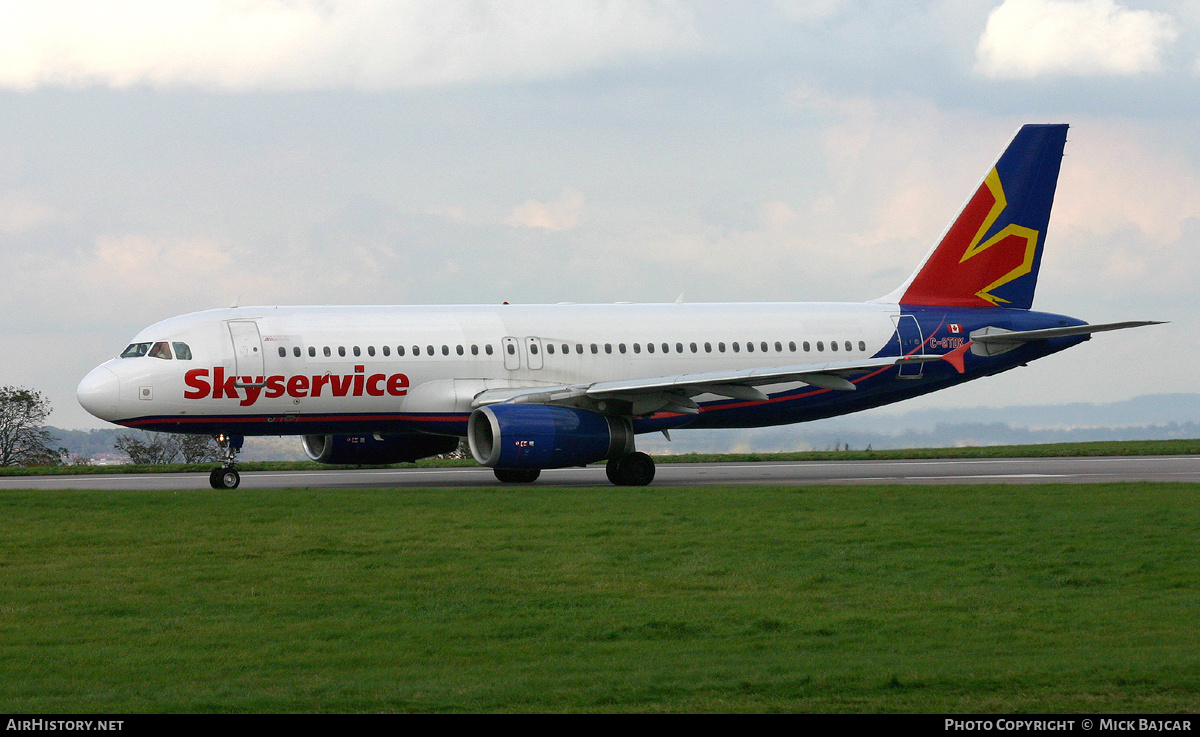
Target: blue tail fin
(991, 253)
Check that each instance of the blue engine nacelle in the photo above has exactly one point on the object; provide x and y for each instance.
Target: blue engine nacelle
(370, 450)
(544, 436)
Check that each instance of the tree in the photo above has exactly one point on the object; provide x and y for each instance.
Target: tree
(155, 448)
(24, 440)
(199, 448)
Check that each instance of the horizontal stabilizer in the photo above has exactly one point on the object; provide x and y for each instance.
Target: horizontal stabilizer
(992, 341)
(1000, 335)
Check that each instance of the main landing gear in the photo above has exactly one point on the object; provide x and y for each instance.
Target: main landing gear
(227, 477)
(635, 469)
(517, 475)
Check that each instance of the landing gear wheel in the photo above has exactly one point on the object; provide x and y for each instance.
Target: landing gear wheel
(517, 475)
(635, 469)
(224, 478)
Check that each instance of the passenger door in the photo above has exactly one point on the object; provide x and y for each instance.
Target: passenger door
(247, 348)
(908, 332)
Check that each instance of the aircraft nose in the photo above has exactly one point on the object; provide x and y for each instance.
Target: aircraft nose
(98, 393)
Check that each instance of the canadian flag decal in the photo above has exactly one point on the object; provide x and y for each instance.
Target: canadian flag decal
(955, 328)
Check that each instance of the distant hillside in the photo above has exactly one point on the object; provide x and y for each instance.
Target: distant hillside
(1151, 417)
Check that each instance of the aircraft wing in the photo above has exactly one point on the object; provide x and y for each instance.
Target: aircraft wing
(674, 393)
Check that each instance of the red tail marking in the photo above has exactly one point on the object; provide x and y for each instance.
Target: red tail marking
(962, 271)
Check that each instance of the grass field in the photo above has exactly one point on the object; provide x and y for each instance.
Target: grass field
(990, 598)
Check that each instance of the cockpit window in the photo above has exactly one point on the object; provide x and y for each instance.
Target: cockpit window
(135, 350)
(160, 350)
(182, 352)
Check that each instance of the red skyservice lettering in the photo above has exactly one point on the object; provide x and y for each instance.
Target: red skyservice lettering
(273, 387)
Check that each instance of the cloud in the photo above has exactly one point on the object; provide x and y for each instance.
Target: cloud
(20, 214)
(562, 214)
(325, 44)
(137, 259)
(1025, 39)
(1126, 214)
(804, 11)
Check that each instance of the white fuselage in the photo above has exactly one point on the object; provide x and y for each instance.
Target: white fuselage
(299, 361)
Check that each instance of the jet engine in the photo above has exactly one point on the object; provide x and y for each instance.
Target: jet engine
(368, 450)
(513, 436)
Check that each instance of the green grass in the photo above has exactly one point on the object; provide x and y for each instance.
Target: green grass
(1002, 599)
(1047, 450)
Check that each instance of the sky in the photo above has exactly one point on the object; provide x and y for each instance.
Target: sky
(161, 158)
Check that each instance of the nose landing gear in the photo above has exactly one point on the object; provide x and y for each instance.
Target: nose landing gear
(227, 477)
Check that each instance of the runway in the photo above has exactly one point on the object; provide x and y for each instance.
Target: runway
(1100, 469)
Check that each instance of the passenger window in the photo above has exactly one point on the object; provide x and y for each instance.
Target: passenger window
(721, 347)
(135, 350)
(429, 349)
(736, 347)
(161, 350)
(848, 346)
(832, 345)
(416, 350)
(708, 347)
(550, 348)
(357, 352)
(370, 350)
(637, 347)
(445, 350)
(295, 351)
(512, 350)
(792, 346)
(282, 352)
(608, 347)
(621, 347)
(399, 350)
(820, 346)
(327, 351)
(566, 349)
(474, 349)
(692, 346)
(862, 346)
(387, 350)
(649, 347)
(595, 349)
(312, 350)
(533, 348)
(458, 350)
(763, 346)
(807, 348)
(488, 349)
(182, 352)
(579, 348)
(678, 348)
(779, 347)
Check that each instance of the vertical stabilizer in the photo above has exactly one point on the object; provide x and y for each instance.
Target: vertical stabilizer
(990, 254)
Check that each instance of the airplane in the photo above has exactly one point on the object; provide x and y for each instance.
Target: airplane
(535, 387)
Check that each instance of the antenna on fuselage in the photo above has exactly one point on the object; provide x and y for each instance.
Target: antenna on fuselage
(236, 300)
